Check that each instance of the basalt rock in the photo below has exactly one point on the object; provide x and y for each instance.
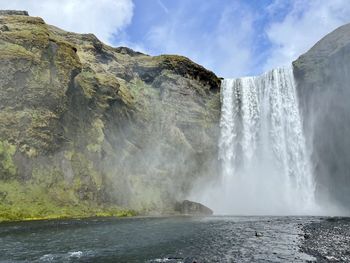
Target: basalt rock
(323, 77)
(192, 208)
(102, 128)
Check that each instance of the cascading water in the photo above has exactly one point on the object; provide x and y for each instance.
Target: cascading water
(265, 165)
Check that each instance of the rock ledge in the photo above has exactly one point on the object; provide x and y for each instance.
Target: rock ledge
(13, 13)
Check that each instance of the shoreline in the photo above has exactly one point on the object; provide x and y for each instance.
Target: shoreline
(328, 240)
(113, 213)
(28, 220)
(135, 215)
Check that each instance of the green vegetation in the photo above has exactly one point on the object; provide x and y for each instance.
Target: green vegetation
(32, 201)
(14, 51)
(7, 165)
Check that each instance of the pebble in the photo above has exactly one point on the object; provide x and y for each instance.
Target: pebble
(258, 234)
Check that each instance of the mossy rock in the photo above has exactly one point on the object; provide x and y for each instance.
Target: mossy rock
(108, 130)
(7, 166)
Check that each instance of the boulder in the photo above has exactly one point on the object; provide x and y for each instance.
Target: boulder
(192, 208)
(258, 234)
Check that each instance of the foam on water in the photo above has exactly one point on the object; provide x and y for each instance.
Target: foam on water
(75, 254)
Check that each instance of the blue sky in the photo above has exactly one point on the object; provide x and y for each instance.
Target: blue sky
(231, 37)
(208, 31)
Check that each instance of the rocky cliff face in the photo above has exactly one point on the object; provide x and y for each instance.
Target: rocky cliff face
(87, 129)
(323, 78)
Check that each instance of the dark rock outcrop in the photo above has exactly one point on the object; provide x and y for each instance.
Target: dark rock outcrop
(13, 13)
(100, 127)
(323, 79)
(192, 208)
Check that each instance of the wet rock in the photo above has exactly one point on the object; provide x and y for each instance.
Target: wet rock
(328, 240)
(322, 77)
(307, 236)
(192, 208)
(4, 28)
(258, 234)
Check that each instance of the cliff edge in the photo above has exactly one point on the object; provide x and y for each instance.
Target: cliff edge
(323, 77)
(87, 129)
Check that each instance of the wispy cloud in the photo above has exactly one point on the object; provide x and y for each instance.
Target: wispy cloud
(103, 18)
(304, 24)
(226, 48)
(246, 39)
(232, 38)
(162, 5)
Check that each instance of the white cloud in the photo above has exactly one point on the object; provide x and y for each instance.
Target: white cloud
(232, 47)
(305, 24)
(163, 6)
(102, 18)
(235, 46)
(233, 43)
(226, 49)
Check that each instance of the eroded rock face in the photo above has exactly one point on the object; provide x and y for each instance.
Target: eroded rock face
(100, 127)
(323, 78)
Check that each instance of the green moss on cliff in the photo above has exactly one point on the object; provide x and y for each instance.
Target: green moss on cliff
(125, 94)
(32, 203)
(33, 200)
(86, 80)
(14, 51)
(7, 165)
(96, 126)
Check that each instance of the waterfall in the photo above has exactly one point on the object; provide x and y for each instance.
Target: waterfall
(265, 164)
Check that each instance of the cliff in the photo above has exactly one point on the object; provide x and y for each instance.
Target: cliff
(87, 129)
(323, 79)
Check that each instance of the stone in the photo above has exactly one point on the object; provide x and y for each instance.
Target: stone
(4, 28)
(192, 208)
(307, 236)
(258, 234)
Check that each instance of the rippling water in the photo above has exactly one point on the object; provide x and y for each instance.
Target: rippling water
(176, 239)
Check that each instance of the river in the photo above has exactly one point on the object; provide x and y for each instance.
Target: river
(168, 239)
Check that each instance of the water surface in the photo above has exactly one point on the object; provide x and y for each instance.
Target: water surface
(175, 239)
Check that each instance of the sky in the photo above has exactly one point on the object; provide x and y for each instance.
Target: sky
(233, 38)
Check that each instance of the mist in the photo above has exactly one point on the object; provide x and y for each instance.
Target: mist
(323, 90)
(265, 152)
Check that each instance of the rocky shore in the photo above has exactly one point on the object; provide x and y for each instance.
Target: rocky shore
(328, 240)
